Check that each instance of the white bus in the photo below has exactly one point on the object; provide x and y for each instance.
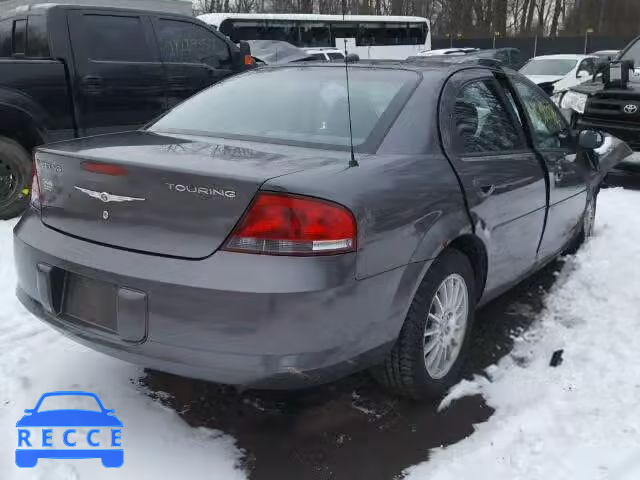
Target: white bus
(370, 36)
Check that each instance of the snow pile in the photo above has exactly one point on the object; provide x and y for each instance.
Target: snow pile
(580, 420)
(34, 359)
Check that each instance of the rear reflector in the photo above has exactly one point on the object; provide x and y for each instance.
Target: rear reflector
(280, 224)
(104, 168)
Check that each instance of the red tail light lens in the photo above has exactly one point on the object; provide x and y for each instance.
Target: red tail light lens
(279, 224)
(35, 189)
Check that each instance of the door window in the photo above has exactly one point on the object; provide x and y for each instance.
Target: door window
(186, 42)
(483, 122)
(116, 38)
(37, 37)
(546, 122)
(19, 36)
(5, 38)
(588, 65)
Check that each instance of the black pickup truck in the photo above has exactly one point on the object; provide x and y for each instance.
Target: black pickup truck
(70, 71)
(611, 103)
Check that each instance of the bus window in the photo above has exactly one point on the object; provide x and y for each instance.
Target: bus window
(315, 34)
(417, 33)
(371, 33)
(238, 30)
(286, 31)
(396, 34)
(343, 30)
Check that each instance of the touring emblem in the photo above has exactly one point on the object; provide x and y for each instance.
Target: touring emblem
(630, 109)
(108, 197)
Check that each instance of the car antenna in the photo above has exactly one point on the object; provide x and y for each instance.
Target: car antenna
(352, 161)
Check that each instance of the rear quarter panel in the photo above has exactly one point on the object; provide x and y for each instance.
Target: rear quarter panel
(406, 207)
(406, 197)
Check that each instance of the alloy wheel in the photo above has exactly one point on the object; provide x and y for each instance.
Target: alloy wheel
(446, 326)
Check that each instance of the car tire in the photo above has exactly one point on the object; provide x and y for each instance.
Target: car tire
(15, 178)
(410, 368)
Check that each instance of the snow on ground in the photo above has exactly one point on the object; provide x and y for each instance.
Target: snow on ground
(34, 359)
(580, 420)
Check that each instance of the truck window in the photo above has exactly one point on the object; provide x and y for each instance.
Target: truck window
(186, 42)
(116, 38)
(5, 38)
(19, 36)
(633, 54)
(37, 38)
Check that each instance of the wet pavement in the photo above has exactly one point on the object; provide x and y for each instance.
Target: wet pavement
(351, 429)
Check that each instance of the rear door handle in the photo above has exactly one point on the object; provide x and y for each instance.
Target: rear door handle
(177, 82)
(487, 190)
(92, 84)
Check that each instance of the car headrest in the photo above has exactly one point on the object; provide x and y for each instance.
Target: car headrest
(467, 119)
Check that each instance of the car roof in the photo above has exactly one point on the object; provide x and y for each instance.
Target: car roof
(443, 66)
(563, 56)
(40, 8)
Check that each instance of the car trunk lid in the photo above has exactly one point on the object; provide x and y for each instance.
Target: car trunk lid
(168, 195)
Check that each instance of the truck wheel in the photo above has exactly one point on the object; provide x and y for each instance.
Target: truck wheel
(428, 354)
(15, 178)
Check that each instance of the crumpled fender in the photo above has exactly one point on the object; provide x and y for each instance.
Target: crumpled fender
(610, 154)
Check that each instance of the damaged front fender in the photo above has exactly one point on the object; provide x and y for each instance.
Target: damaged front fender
(607, 157)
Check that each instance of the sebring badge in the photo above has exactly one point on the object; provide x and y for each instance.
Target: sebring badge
(108, 197)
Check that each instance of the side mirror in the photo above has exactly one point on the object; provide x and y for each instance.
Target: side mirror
(245, 53)
(590, 139)
(352, 58)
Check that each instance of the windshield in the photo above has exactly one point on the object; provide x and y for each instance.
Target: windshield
(633, 53)
(69, 402)
(548, 66)
(295, 105)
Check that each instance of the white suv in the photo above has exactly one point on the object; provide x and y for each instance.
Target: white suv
(326, 54)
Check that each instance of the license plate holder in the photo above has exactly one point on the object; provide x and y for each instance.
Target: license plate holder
(90, 301)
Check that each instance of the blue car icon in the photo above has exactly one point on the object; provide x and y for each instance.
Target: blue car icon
(29, 454)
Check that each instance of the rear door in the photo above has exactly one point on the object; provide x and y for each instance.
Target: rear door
(194, 56)
(502, 177)
(119, 79)
(567, 171)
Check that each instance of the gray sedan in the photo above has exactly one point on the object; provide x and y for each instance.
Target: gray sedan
(248, 238)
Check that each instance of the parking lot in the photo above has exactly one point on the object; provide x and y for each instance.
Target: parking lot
(367, 246)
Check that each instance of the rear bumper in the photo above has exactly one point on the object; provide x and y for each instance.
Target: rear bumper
(256, 321)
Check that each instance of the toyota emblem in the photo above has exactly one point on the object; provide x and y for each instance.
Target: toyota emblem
(631, 109)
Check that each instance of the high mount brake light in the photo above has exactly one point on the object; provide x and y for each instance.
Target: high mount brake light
(281, 224)
(104, 168)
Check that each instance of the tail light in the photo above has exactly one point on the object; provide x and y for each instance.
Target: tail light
(35, 189)
(280, 224)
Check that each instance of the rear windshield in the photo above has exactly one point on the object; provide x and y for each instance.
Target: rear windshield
(294, 105)
(548, 66)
